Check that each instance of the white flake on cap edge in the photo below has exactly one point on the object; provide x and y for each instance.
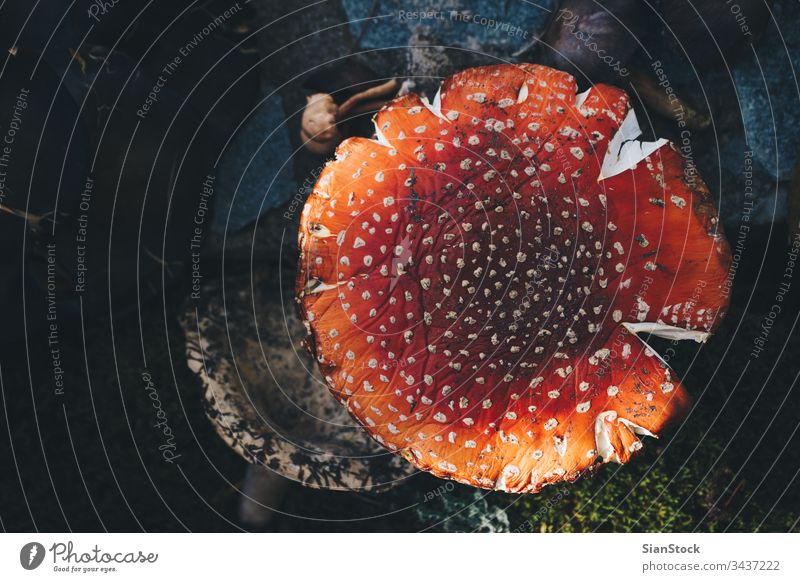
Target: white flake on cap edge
(669, 332)
(624, 150)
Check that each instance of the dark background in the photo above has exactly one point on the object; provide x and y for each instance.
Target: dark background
(88, 459)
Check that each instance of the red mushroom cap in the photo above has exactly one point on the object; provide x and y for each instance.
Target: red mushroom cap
(474, 280)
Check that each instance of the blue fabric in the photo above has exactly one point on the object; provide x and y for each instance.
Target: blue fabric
(256, 172)
(463, 23)
(768, 92)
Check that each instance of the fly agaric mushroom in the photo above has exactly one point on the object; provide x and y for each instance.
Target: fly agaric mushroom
(478, 282)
